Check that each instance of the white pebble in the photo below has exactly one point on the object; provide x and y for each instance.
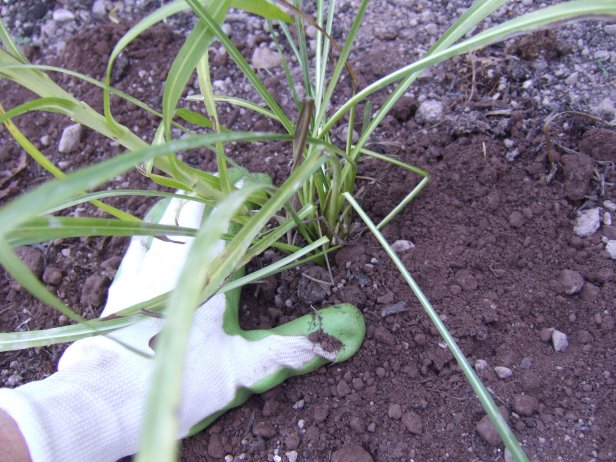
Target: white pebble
(611, 249)
(63, 15)
(299, 405)
(481, 365)
(291, 456)
(430, 111)
(610, 205)
(588, 222)
(402, 246)
(264, 58)
(70, 139)
(559, 341)
(503, 372)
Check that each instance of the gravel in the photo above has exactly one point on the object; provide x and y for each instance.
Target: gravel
(588, 222)
(559, 341)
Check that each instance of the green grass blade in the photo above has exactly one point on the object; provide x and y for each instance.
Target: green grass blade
(55, 192)
(193, 117)
(57, 105)
(40, 229)
(10, 44)
(184, 64)
(262, 8)
(12, 341)
(207, 90)
(88, 197)
(340, 64)
(480, 390)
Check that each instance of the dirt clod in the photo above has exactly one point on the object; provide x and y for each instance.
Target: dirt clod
(94, 292)
(351, 453)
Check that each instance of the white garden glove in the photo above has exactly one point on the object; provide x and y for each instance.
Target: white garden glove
(92, 408)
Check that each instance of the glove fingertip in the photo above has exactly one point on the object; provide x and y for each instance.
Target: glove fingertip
(341, 329)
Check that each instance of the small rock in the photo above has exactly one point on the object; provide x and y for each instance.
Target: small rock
(310, 288)
(70, 139)
(530, 381)
(343, 388)
(396, 308)
(516, 219)
(571, 281)
(270, 407)
(320, 413)
(559, 341)
(525, 405)
(430, 111)
(487, 431)
(394, 411)
(590, 292)
(351, 453)
(402, 246)
(264, 429)
(610, 247)
(94, 291)
(386, 33)
(610, 29)
(481, 365)
(413, 423)
(52, 276)
(606, 108)
(14, 381)
(291, 456)
(387, 298)
(215, 448)
(371, 427)
(588, 222)
(292, 441)
(63, 15)
(299, 405)
(265, 58)
(99, 8)
(63, 320)
(357, 424)
(503, 372)
(610, 205)
(32, 258)
(572, 78)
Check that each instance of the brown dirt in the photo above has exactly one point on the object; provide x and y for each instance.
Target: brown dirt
(492, 242)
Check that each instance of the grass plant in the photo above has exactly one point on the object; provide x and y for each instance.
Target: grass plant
(313, 209)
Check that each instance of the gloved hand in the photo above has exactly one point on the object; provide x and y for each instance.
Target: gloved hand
(92, 408)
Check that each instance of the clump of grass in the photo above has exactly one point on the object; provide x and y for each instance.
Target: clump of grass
(316, 200)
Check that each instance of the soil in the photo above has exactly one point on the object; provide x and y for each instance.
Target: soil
(492, 242)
